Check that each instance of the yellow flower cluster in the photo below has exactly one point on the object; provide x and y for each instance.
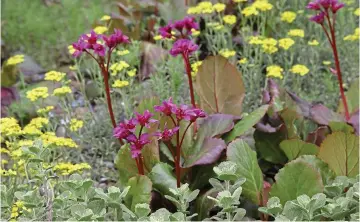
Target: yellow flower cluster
(354, 37)
(119, 83)
(100, 29)
(243, 61)
(269, 45)
(201, 8)
(313, 42)
(229, 19)
(9, 127)
(357, 12)
(14, 60)
(131, 72)
(62, 91)
(105, 18)
(288, 16)
(157, 37)
(195, 32)
(118, 67)
(18, 207)
(296, 33)
(238, 1)
(219, 7)
(33, 128)
(286, 43)
(249, 11)
(274, 71)
(299, 69)
(69, 168)
(256, 40)
(262, 5)
(195, 68)
(227, 53)
(49, 138)
(75, 124)
(71, 49)
(54, 76)
(45, 110)
(7, 173)
(122, 52)
(37, 93)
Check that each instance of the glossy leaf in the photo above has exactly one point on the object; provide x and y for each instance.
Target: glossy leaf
(163, 178)
(352, 98)
(140, 191)
(220, 86)
(341, 126)
(341, 152)
(323, 168)
(295, 147)
(239, 152)
(268, 145)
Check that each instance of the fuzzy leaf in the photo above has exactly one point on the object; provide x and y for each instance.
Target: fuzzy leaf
(295, 179)
(295, 147)
(268, 145)
(203, 204)
(341, 152)
(240, 153)
(163, 178)
(220, 86)
(140, 191)
(246, 123)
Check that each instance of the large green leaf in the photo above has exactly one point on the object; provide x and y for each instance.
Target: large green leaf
(326, 173)
(289, 116)
(352, 98)
(163, 178)
(140, 191)
(125, 165)
(246, 123)
(295, 179)
(341, 126)
(268, 145)
(295, 147)
(239, 152)
(220, 86)
(341, 152)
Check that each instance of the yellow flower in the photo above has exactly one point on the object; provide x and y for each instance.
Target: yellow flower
(219, 27)
(313, 42)
(105, 18)
(288, 16)
(69, 168)
(274, 71)
(100, 29)
(3, 150)
(123, 52)
(75, 124)
(131, 72)
(326, 63)
(37, 93)
(22, 143)
(195, 32)
(219, 7)
(195, 68)
(205, 7)
(9, 127)
(238, 1)
(357, 12)
(62, 91)
(157, 37)
(255, 40)
(299, 69)
(33, 128)
(71, 49)
(49, 138)
(227, 53)
(193, 10)
(118, 67)
(286, 43)
(243, 61)
(248, 11)
(14, 60)
(54, 76)
(45, 110)
(269, 45)
(296, 32)
(73, 68)
(3, 162)
(229, 19)
(7, 173)
(262, 5)
(120, 84)
(353, 37)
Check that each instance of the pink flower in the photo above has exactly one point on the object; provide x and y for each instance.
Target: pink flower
(181, 112)
(144, 119)
(195, 114)
(166, 107)
(92, 39)
(314, 5)
(319, 18)
(187, 23)
(124, 129)
(99, 49)
(183, 46)
(136, 144)
(79, 46)
(335, 6)
(165, 31)
(167, 134)
(116, 38)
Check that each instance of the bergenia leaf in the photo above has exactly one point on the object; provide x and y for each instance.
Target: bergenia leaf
(140, 191)
(295, 147)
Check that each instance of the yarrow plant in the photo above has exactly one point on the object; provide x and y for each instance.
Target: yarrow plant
(327, 10)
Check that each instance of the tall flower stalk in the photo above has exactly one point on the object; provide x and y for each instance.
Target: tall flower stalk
(327, 12)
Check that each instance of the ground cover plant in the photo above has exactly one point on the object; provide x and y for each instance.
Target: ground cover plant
(221, 111)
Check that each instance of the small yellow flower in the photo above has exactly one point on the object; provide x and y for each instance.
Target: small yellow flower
(3, 162)
(195, 68)
(157, 37)
(353, 37)
(296, 33)
(238, 1)
(69, 168)
(37, 93)
(73, 68)
(255, 40)
(299, 69)
(269, 45)
(71, 49)
(193, 10)
(123, 52)
(248, 11)
(62, 91)
(105, 18)
(219, 7)
(288, 16)
(118, 67)
(205, 7)
(243, 61)
(75, 124)
(120, 84)
(326, 63)
(14, 60)
(313, 42)
(7, 173)
(357, 12)
(274, 71)
(229, 19)
(131, 72)
(227, 53)
(286, 43)
(45, 110)
(49, 138)
(262, 5)
(54, 76)
(9, 126)
(3, 150)
(100, 29)
(195, 32)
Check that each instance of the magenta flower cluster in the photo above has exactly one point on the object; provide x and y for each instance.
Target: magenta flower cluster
(323, 6)
(127, 129)
(94, 42)
(180, 30)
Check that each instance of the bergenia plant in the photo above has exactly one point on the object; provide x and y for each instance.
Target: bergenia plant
(327, 10)
(181, 31)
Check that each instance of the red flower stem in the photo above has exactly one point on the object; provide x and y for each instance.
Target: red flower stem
(141, 165)
(177, 160)
(183, 136)
(188, 72)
